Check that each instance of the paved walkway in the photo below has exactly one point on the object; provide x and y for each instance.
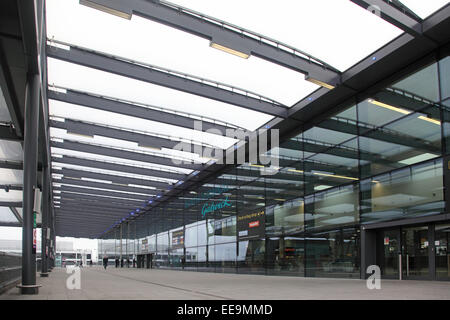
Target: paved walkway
(97, 283)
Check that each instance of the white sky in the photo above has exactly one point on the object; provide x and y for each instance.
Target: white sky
(15, 233)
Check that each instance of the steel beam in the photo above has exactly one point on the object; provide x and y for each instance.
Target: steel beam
(118, 167)
(109, 177)
(129, 109)
(11, 99)
(87, 197)
(392, 14)
(121, 153)
(83, 128)
(104, 192)
(7, 132)
(139, 72)
(46, 202)
(108, 186)
(7, 164)
(17, 215)
(81, 204)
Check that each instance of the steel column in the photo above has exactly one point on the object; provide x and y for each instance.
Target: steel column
(30, 147)
(45, 214)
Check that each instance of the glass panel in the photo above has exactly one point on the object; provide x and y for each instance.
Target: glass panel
(286, 255)
(391, 249)
(415, 83)
(406, 193)
(4, 112)
(355, 34)
(333, 254)
(6, 215)
(91, 80)
(10, 176)
(333, 208)
(424, 8)
(415, 252)
(441, 238)
(444, 72)
(11, 151)
(171, 48)
(225, 257)
(191, 259)
(251, 256)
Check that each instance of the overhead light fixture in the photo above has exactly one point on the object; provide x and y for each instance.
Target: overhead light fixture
(321, 187)
(282, 200)
(430, 120)
(148, 147)
(229, 50)
(296, 171)
(335, 176)
(109, 10)
(388, 106)
(256, 165)
(319, 83)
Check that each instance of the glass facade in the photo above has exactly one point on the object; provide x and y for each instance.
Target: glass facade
(377, 160)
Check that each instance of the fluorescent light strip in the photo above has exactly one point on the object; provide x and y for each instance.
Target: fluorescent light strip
(335, 176)
(105, 9)
(430, 120)
(388, 106)
(229, 50)
(295, 170)
(319, 83)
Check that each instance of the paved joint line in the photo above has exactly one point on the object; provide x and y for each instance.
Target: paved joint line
(166, 286)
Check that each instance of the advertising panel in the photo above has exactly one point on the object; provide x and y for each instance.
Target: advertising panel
(251, 225)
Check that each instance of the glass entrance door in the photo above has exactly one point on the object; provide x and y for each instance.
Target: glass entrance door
(415, 253)
(390, 252)
(441, 240)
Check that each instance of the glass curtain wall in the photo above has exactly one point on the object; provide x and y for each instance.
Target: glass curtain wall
(380, 159)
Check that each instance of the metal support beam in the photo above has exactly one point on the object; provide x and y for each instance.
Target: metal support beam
(109, 177)
(28, 285)
(143, 139)
(129, 109)
(104, 192)
(387, 11)
(7, 132)
(15, 165)
(11, 99)
(230, 36)
(118, 167)
(108, 186)
(148, 74)
(46, 201)
(17, 215)
(121, 153)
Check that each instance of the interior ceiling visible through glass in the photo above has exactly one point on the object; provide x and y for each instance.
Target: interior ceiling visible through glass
(146, 41)
(62, 74)
(338, 32)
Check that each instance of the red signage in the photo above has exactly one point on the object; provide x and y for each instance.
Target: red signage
(253, 224)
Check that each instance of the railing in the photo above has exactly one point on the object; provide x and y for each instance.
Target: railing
(10, 270)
